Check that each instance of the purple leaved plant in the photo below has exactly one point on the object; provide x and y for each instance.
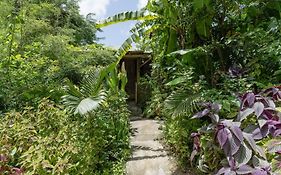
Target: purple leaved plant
(240, 144)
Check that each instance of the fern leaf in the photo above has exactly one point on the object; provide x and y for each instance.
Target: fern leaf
(181, 103)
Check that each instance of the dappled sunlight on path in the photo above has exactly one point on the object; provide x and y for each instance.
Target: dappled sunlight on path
(149, 156)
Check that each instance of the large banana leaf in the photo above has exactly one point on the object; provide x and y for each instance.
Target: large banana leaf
(126, 16)
(127, 45)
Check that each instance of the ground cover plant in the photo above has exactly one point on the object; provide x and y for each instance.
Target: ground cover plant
(249, 142)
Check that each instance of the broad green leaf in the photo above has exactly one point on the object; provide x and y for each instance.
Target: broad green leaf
(199, 4)
(176, 81)
(187, 51)
(202, 28)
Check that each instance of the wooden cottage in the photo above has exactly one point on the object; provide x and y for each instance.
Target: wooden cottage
(137, 64)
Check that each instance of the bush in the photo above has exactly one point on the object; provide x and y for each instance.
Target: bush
(47, 140)
(238, 145)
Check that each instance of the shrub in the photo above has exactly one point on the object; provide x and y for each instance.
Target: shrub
(47, 140)
(239, 143)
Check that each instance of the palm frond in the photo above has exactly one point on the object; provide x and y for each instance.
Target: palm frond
(90, 85)
(89, 104)
(86, 98)
(181, 103)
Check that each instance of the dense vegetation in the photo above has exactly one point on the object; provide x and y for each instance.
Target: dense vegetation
(215, 77)
(49, 51)
(215, 82)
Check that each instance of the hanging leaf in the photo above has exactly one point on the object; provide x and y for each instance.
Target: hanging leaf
(237, 132)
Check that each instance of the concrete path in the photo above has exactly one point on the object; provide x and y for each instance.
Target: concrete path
(149, 156)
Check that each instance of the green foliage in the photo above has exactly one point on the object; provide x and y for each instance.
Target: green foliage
(39, 140)
(43, 43)
(49, 141)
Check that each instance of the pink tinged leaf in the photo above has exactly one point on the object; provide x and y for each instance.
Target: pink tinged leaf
(234, 143)
(231, 162)
(193, 154)
(250, 98)
(237, 132)
(244, 169)
(259, 172)
(244, 114)
(277, 133)
(205, 112)
(259, 108)
(273, 122)
(264, 131)
(257, 135)
(223, 170)
(3, 158)
(222, 137)
(17, 171)
(267, 114)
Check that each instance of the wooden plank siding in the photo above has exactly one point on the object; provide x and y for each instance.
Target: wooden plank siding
(134, 62)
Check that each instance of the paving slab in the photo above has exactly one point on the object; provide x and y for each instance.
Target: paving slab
(149, 156)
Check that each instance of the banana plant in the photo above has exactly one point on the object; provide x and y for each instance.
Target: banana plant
(155, 17)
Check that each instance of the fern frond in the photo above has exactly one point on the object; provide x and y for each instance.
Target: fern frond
(181, 103)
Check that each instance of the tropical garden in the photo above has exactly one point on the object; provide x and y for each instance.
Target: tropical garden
(215, 82)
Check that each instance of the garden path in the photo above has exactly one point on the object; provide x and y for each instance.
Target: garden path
(148, 154)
